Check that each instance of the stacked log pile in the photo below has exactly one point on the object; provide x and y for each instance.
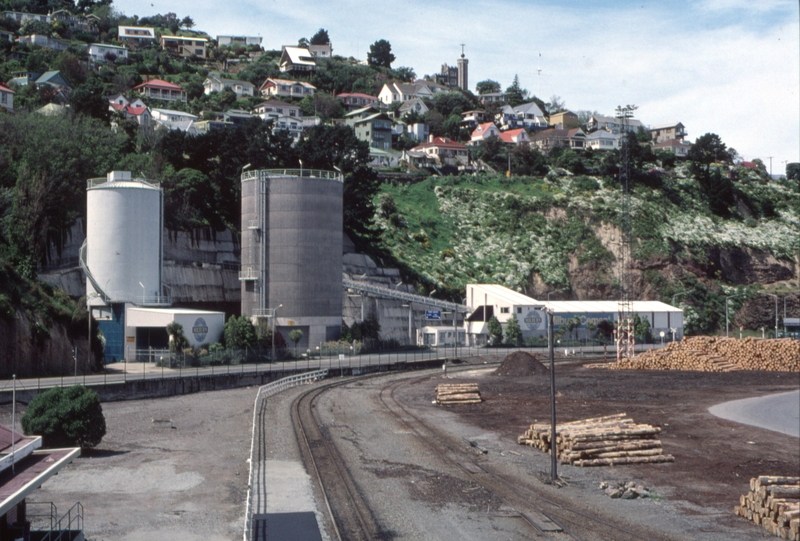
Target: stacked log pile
(713, 354)
(601, 441)
(458, 393)
(774, 503)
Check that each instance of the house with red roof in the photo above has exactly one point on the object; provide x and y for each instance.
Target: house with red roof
(444, 151)
(515, 137)
(357, 100)
(483, 132)
(158, 89)
(6, 98)
(140, 114)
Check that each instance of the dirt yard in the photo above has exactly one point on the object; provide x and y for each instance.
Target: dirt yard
(714, 458)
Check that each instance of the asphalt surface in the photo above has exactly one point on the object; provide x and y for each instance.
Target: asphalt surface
(777, 412)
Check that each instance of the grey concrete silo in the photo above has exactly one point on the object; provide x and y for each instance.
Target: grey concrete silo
(292, 251)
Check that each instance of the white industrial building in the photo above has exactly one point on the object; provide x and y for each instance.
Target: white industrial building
(122, 259)
(487, 300)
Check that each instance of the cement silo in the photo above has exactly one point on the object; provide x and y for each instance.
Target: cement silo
(292, 251)
(124, 228)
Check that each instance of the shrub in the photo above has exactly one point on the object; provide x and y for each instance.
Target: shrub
(65, 417)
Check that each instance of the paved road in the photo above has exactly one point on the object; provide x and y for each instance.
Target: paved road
(777, 412)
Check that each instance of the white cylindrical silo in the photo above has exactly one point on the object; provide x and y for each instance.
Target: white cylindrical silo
(124, 227)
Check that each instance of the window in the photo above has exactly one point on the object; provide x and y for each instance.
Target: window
(3, 96)
(519, 309)
(505, 309)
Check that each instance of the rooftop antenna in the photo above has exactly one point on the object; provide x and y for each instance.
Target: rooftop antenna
(462, 50)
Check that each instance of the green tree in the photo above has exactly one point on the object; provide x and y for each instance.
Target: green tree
(295, 335)
(187, 22)
(177, 338)
(486, 86)
(380, 54)
(718, 189)
(320, 38)
(513, 332)
(555, 105)
(793, 174)
(89, 99)
(405, 74)
(239, 333)
(515, 94)
(495, 329)
(66, 416)
(641, 329)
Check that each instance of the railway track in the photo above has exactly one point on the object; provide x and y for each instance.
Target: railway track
(351, 518)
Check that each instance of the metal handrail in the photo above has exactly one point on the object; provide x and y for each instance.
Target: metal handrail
(94, 182)
(248, 274)
(263, 392)
(264, 174)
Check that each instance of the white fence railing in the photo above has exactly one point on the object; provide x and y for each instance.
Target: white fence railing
(263, 392)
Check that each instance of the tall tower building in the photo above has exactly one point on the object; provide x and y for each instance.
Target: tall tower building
(463, 71)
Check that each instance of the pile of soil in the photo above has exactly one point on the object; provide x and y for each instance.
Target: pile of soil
(520, 364)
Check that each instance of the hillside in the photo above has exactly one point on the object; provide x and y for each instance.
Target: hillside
(540, 234)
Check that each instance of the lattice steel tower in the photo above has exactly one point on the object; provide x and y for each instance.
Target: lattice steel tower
(625, 332)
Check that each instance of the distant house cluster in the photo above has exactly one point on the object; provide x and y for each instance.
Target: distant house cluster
(398, 111)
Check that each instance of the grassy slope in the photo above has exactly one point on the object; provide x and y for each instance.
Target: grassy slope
(454, 230)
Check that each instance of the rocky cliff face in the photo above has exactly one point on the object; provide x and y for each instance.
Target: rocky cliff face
(32, 349)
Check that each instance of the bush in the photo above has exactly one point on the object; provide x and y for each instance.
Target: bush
(66, 417)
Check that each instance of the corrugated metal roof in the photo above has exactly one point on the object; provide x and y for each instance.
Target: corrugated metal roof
(504, 293)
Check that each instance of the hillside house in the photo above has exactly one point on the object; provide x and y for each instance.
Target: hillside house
(139, 113)
(471, 119)
(6, 98)
(679, 148)
(530, 117)
(6, 35)
(443, 151)
(22, 17)
(103, 52)
(415, 105)
(356, 100)
(614, 125)
(45, 41)
(515, 137)
(237, 117)
(158, 89)
(81, 23)
(274, 109)
(397, 91)
(506, 118)
(603, 140)
(667, 132)
(174, 120)
(54, 85)
(286, 89)
(323, 50)
(550, 138)
(185, 46)
(136, 37)
(296, 60)
(493, 97)
(372, 126)
(565, 120)
(215, 82)
(483, 132)
(243, 41)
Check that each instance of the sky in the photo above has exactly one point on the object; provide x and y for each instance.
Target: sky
(730, 67)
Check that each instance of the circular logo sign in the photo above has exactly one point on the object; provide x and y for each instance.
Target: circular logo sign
(534, 320)
(200, 330)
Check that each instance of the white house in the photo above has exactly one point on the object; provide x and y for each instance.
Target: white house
(45, 41)
(530, 116)
(612, 124)
(137, 36)
(294, 59)
(215, 82)
(239, 40)
(102, 52)
(274, 109)
(677, 147)
(415, 105)
(397, 91)
(174, 120)
(286, 88)
(483, 132)
(603, 140)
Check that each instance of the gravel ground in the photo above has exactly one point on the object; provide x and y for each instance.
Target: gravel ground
(187, 481)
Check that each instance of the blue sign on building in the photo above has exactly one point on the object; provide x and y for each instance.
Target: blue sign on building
(433, 314)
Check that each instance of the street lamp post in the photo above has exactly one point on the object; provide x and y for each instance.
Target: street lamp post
(676, 295)
(726, 309)
(776, 312)
(274, 314)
